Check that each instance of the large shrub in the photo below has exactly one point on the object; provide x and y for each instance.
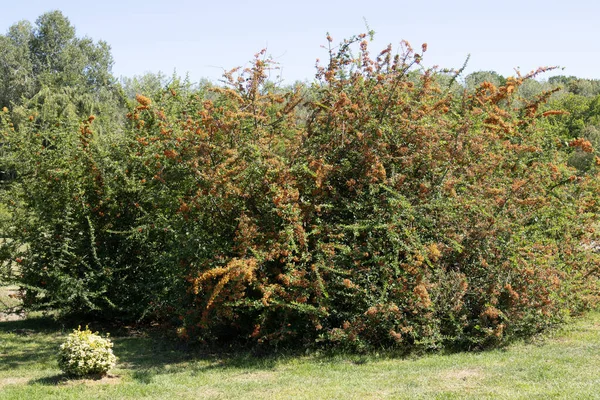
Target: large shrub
(377, 207)
(398, 215)
(75, 225)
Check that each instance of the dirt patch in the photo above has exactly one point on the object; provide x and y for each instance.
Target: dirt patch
(460, 380)
(8, 301)
(11, 316)
(463, 374)
(12, 381)
(200, 393)
(260, 376)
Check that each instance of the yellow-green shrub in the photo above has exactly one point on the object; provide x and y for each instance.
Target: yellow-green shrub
(85, 353)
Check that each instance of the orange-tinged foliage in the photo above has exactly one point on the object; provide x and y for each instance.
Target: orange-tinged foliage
(376, 208)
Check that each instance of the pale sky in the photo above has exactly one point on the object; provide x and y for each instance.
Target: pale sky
(203, 38)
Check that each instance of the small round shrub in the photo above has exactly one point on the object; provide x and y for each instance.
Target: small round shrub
(85, 353)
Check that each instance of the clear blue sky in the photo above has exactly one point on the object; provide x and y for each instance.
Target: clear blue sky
(204, 37)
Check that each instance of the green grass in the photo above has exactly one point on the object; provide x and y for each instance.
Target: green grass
(565, 365)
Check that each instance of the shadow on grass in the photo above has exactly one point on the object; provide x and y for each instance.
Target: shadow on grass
(150, 357)
(64, 379)
(50, 380)
(35, 324)
(146, 355)
(32, 344)
(29, 342)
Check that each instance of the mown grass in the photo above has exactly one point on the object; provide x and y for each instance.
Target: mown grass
(565, 365)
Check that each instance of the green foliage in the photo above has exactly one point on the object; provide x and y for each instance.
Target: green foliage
(475, 79)
(49, 55)
(580, 121)
(375, 208)
(154, 83)
(86, 354)
(73, 207)
(48, 76)
(577, 86)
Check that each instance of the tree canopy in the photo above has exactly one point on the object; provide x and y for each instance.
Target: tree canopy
(47, 62)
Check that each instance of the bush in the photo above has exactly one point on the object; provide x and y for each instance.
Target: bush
(378, 207)
(397, 214)
(85, 354)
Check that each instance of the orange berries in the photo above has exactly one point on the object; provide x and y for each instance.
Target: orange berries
(583, 144)
(143, 100)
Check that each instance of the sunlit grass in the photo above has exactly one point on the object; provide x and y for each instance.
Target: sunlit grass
(564, 365)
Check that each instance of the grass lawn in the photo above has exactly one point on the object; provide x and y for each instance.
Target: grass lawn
(565, 365)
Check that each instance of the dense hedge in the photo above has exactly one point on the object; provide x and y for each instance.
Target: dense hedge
(377, 207)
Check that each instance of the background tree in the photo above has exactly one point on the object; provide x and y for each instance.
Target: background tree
(46, 64)
(575, 85)
(16, 66)
(474, 79)
(49, 75)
